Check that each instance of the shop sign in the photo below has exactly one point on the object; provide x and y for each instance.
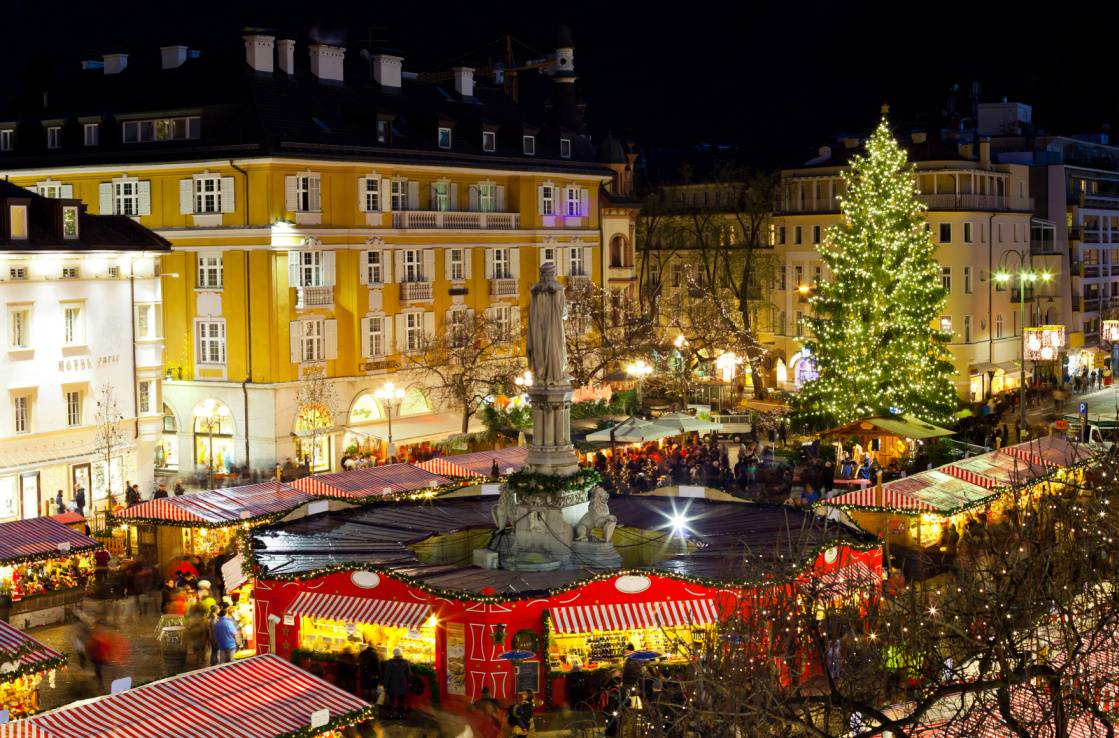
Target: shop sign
(526, 640)
(632, 583)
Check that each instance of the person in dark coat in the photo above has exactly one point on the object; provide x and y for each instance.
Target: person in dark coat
(398, 674)
(369, 670)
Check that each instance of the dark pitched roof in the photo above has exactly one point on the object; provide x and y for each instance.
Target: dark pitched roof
(380, 534)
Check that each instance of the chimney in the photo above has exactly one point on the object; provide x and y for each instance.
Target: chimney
(386, 70)
(115, 63)
(985, 153)
(285, 52)
(172, 56)
(258, 52)
(326, 62)
(464, 81)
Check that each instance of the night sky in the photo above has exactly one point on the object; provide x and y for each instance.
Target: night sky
(773, 80)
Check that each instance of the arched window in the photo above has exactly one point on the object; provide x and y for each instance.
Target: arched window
(414, 403)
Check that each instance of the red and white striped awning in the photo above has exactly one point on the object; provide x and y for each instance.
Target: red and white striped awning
(410, 615)
(12, 640)
(447, 468)
(633, 615)
(214, 507)
(377, 480)
(260, 697)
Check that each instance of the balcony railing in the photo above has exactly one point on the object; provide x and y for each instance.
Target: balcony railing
(416, 291)
(458, 220)
(503, 287)
(308, 297)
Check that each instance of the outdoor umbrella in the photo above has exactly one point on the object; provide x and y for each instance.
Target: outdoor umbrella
(684, 423)
(631, 430)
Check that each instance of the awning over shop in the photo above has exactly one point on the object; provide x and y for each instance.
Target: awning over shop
(376, 480)
(447, 468)
(633, 615)
(260, 697)
(33, 655)
(40, 538)
(904, 426)
(410, 615)
(219, 506)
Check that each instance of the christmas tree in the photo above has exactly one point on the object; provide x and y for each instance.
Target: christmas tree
(872, 334)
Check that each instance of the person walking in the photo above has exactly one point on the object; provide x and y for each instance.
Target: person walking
(398, 675)
(226, 637)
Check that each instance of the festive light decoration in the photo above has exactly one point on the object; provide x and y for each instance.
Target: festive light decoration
(872, 334)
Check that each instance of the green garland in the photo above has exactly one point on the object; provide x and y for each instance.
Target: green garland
(531, 483)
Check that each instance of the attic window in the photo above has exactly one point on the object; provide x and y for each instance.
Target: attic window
(565, 148)
(444, 138)
(489, 140)
(529, 145)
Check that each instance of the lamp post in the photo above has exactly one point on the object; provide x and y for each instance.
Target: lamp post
(1024, 274)
(639, 370)
(211, 414)
(681, 343)
(390, 395)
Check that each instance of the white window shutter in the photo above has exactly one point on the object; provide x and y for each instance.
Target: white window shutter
(293, 330)
(429, 325)
(540, 199)
(501, 198)
(361, 193)
(401, 334)
(363, 267)
(429, 265)
(466, 266)
(105, 196)
(331, 339)
(398, 259)
(413, 195)
(227, 195)
(489, 263)
(329, 268)
(385, 195)
(584, 203)
(474, 198)
(366, 349)
(293, 269)
(291, 197)
(67, 191)
(447, 263)
(454, 196)
(386, 266)
(588, 264)
(144, 197)
(561, 260)
(186, 196)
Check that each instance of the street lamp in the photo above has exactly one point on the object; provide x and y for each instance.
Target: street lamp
(639, 370)
(211, 413)
(389, 395)
(1025, 274)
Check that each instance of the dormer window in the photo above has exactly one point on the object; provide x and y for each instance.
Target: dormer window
(17, 215)
(54, 137)
(444, 138)
(529, 145)
(489, 141)
(69, 221)
(565, 148)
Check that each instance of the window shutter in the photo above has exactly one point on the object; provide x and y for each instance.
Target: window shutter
(186, 196)
(329, 259)
(386, 266)
(401, 333)
(361, 194)
(588, 265)
(67, 191)
(466, 266)
(447, 263)
(429, 325)
(398, 259)
(331, 339)
(413, 195)
(540, 199)
(561, 260)
(363, 267)
(227, 196)
(454, 197)
(501, 198)
(385, 195)
(293, 269)
(429, 265)
(489, 263)
(515, 261)
(366, 349)
(144, 198)
(474, 199)
(105, 195)
(293, 330)
(291, 198)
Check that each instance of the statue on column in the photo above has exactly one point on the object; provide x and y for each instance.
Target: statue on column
(545, 344)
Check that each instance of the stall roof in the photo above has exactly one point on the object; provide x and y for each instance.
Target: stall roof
(230, 506)
(384, 536)
(371, 482)
(905, 426)
(40, 538)
(260, 697)
(34, 656)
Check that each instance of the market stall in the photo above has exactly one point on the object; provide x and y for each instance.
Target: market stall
(886, 439)
(260, 697)
(377, 481)
(24, 662)
(44, 568)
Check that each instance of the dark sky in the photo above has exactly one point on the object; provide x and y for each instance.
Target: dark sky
(777, 79)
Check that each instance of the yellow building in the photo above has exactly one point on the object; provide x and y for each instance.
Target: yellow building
(322, 221)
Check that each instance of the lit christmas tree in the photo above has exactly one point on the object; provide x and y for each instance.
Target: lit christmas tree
(872, 334)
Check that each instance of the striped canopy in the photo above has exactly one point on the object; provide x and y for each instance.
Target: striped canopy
(35, 653)
(930, 491)
(215, 507)
(377, 480)
(447, 468)
(260, 697)
(410, 615)
(632, 615)
(39, 538)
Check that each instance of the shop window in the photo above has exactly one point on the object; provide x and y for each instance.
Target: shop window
(414, 403)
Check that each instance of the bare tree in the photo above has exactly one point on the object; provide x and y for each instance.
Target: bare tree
(466, 362)
(317, 403)
(109, 436)
(604, 328)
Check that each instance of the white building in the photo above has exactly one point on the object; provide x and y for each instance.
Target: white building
(81, 314)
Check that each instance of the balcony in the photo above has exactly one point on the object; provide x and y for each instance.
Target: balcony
(314, 297)
(503, 287)
(456, 220)
(976, 202)
(416, 291)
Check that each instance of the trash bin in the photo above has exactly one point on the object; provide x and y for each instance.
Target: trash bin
(171, 634)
